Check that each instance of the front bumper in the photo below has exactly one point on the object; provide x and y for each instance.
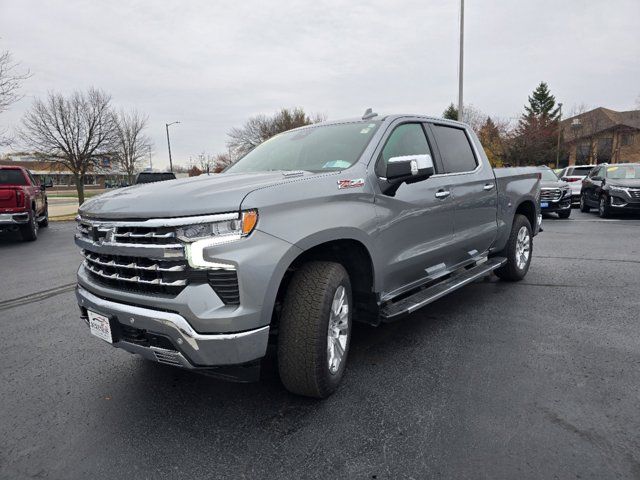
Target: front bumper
(187, 348)
(563, 204)
(9, 219)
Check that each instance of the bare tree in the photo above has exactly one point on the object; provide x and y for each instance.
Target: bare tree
(10, 81)
(262, 127)
(74, 131)
(132, 145)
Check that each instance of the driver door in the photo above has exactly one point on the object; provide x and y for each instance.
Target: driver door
(415, 224)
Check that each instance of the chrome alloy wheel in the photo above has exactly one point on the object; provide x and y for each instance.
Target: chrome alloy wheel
(338, 332)
(523, 247)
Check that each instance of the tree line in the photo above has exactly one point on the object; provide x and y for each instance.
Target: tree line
(533, 140)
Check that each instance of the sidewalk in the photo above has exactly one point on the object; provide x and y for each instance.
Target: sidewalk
(63, 208)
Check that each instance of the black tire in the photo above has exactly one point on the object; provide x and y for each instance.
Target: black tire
(564, 213)
(303, 359)
(29, 231)
(603, 207)
(511, 271)
(583, 204)
(44, 223)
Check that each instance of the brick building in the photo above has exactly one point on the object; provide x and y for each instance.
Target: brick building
(602, 136)
(104, 174)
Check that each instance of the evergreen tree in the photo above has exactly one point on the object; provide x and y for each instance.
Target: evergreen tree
(535, 137)
(451, 113)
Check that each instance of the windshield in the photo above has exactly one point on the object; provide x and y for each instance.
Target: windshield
(154, 177)
(549, 176)
(624, 172)
(12, 177)
(315, 149)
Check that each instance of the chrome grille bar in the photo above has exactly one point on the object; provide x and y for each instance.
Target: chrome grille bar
(134, 279)
(133, 265)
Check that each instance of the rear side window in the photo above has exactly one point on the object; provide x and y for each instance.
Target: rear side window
(579, 171)
(455, 149)
(406, 139)
(12, 177)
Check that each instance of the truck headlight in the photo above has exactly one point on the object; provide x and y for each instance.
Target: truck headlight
(203, 235)
(224, 231)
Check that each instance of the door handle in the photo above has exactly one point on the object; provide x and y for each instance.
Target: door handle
(442, 193)
(488, 186)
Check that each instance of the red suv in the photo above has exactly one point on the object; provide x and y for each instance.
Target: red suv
(23, 202)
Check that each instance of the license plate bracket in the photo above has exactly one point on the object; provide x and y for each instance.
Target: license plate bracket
(101, 326)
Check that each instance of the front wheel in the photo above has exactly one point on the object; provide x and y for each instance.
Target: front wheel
(315, 329)
(584, 208)
(518, 251)
(564, 213)
(45, 220)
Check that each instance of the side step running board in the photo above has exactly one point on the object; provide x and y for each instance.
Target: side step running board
(410, 304)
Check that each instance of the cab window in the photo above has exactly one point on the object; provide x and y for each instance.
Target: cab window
(455, 149)
(406, 139)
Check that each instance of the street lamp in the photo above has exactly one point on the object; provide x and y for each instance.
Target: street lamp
(461, 61)
(167, 125)
(559, 132)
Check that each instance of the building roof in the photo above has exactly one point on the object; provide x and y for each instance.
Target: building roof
(598, 120)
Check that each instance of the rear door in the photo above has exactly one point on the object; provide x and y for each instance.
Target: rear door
(415, 224)
(473, 188)
(36, 193)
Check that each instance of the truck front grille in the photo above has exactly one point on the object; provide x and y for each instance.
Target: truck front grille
(137, 273)
(147, 257)
(550, 194)
(127, 234)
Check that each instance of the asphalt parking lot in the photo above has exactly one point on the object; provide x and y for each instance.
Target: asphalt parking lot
(539, 379)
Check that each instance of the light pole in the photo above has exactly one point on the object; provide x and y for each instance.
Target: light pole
(559, 132)
(167, 125)
(461, 61)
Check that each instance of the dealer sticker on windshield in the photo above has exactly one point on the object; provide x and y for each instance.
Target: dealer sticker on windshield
(99, 326)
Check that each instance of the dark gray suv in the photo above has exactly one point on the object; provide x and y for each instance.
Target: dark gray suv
(612, 189)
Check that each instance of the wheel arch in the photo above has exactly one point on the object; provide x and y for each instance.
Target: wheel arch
(354, 256)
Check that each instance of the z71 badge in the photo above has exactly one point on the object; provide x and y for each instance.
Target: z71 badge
(358, 182)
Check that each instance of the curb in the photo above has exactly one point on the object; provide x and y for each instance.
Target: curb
(63, 218)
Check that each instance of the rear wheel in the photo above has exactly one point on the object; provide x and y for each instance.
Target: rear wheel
(518, 251)
(29, 231)
(564, 213)
(583, 204)
(315, 329)
(603, 207)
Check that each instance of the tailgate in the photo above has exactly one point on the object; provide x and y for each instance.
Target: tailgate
(8, 197)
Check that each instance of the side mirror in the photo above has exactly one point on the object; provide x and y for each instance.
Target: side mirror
(409, 168)
(405, 169)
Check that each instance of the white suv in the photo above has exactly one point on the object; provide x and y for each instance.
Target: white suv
(574, 175)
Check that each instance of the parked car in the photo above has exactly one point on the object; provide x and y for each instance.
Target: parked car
(555, 194)
(612, 189)
(360, 220)
(574, 175)
(150, 177)
(23, 202)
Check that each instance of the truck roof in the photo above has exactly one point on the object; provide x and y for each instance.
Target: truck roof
(382, 118)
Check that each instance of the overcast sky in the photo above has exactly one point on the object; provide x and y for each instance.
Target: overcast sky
(213, 64)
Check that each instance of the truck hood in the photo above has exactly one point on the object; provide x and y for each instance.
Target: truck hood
(201, 195)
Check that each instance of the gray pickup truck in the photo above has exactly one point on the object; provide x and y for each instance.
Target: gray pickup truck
(359, 220)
